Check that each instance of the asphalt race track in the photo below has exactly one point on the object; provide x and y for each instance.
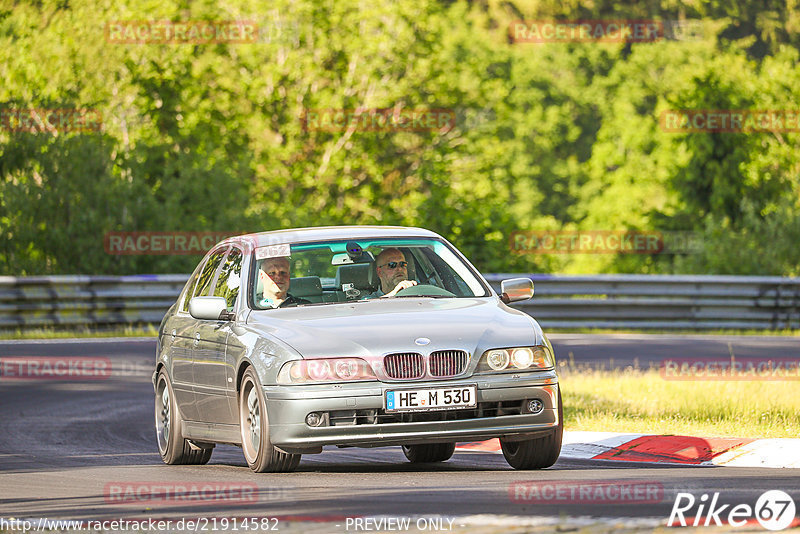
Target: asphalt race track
(67, 447)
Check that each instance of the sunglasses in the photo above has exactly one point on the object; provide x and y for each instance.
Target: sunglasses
(394, 264)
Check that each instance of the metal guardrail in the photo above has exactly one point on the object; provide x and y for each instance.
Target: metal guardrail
(662, 301)
(97, 301)
(597, 301)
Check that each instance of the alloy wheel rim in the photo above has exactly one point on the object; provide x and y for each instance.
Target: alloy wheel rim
(162, 415)
(254, 419)
(250, 420)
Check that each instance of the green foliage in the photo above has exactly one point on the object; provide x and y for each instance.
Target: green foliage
(560, 136)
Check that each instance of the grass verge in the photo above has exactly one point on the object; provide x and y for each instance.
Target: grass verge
(641, 401)
(677, 332)
(63, 333)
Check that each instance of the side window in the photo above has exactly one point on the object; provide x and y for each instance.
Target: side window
(230, 278)
(189, 290)
(207, 275)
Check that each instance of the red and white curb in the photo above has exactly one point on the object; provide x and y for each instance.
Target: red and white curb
(677, 450)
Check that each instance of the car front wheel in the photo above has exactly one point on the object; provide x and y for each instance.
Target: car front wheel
(259, 452)
(536, 453)
(429, 452)
(172, 446)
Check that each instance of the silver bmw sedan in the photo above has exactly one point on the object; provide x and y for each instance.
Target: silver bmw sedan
(284, 342)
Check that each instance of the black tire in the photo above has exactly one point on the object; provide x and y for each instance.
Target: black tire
(428, 453)
(172, 446)
(261, 455)
(536, 453)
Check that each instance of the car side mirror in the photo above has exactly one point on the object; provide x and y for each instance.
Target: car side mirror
(516, 289)
(210, 308)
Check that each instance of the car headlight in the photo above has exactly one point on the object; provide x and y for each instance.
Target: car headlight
(497, 359)
(325, 370)
(516, 359)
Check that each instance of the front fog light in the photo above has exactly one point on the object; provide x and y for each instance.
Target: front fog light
(522, 358)
(314, 419)
(535, 406)
(497, 359)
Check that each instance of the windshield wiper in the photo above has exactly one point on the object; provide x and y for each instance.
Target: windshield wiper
(424, 296)
(369, 300)
(332, 302)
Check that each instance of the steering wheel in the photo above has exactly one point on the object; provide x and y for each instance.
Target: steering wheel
(422, 290)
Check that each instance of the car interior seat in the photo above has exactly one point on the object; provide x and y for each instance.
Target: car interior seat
(307, 287)
(356, 280)
(412, 271)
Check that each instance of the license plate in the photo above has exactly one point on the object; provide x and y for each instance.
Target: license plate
(421, 400)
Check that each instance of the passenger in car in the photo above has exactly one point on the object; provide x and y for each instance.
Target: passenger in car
(274, 275)
(392, 272)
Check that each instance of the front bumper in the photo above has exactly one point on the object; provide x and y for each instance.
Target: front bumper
(371, 426)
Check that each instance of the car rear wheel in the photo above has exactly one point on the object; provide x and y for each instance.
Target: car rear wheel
(536, 453)
(261, 455)
(429, 452)
(172, 446)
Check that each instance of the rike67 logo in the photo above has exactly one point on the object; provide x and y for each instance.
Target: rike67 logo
(774, 510)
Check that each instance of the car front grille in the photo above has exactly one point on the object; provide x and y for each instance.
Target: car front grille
(411, 365)
(447, 363)
(404, 365)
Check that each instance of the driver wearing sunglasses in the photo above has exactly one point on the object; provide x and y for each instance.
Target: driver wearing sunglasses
(392, 272)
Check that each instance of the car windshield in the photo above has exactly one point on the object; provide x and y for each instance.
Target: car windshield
(329, 272)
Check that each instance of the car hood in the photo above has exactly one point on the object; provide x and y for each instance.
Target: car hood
(377, 327)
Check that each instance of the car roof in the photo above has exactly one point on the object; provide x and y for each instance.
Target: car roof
(322, 233)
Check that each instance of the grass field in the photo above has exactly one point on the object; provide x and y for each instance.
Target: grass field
(641, 401)
(64, 333)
